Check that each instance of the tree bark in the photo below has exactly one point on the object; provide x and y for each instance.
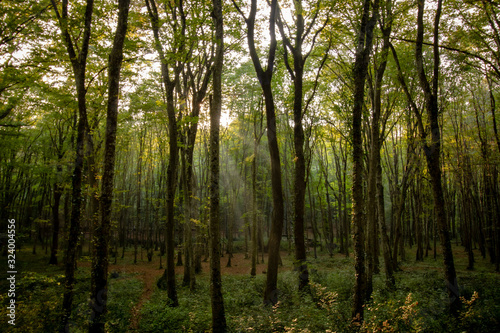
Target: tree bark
(433, 149)
(265, 78)
(199, 81)
(299, 181)
(78, 62)
(255, 241)
(99, 279)
(217, 301)
(169, 85)
(376, 209)
(362, 58)
(58, 191)
(297, 76)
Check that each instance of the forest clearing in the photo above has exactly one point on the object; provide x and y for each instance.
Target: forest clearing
(250, 165)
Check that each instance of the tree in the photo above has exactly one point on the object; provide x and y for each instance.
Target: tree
(432, 149)
(59, 131)
(218, 314)
(257, 136)
(198, 79)
(172, 58)
(362, 59)
(375, 189)
(297, 76)
(78, 63)
(99, 281)
(265, 78)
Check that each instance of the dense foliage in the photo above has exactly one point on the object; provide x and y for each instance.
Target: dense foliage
(365, 130)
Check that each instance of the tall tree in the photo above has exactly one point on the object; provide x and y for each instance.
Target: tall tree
(169, 61)
(101, 235)
(58, 139)
(432, 147)
(78, 63)
(376, 209)
(265, 79)
(302, 33)
(257, 136)
(199, 79)
(217, 301)
(369, 17)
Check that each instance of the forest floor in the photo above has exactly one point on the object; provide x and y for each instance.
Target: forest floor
(150, 272)
(418, 304)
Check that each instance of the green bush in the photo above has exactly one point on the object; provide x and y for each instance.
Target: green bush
(392, 315)
(37, 297)
(39, 301)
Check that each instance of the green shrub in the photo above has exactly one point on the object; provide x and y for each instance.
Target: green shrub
(392, 316)
(37, 297)
(39, 300)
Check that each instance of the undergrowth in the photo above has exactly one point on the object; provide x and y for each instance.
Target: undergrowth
(418, 304)
(39, 302)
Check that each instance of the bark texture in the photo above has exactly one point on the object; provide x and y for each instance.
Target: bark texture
(78, 64)
(265, 78)
(217, 301)
(360, 70)
(100, 258)
(432, 149)
(169, 84)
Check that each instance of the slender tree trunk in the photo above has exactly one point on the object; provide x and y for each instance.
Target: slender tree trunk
(362, 58)
(300, 179)
(230, 231)
(217, 301)
(433, 151)
(255, 241)
(417, 218)
(271, 292)
(265, 78)
(138, 220)
(314, 227)
(376, 209)
(199, 84)
(169, 85)
(386, 244)
(78, 62)
(99, 280)
(56, 221)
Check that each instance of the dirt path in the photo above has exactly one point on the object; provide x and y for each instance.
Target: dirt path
(149, 273)
(149, 276)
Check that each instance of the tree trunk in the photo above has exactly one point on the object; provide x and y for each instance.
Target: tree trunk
(433, 150)
(271, 292)
(376, 209)
(56, 221)
(99, 280)
(169, 86)
(265, 78)
(138, 220)
(386, 244)
(417, 219)
(362, 58)
(217, 301)
(255, 241)
(78, 62)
